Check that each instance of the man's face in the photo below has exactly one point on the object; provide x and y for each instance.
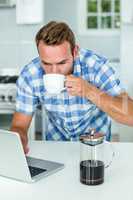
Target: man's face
(56, 58)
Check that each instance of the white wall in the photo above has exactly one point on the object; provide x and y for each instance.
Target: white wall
(126, 65)
(126, 133)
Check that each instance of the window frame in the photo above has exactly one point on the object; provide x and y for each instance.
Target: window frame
(83, 30)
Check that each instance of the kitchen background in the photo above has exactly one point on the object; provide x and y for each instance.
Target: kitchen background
(21, 19)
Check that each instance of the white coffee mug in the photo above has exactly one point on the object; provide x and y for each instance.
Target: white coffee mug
(54, 83)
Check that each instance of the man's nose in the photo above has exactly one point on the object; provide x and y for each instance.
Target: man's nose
(55, 69)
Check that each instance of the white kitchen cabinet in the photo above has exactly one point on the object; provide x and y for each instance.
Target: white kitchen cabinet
(29, 11)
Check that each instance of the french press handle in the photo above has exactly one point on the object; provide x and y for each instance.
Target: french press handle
(112, 153)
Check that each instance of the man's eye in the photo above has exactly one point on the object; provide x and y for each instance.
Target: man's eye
(62, 63)
(46, 64)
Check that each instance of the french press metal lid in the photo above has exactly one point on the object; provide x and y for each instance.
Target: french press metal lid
(92, 139)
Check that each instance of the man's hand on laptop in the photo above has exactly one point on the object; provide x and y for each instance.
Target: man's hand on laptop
(25, 144)
(25, 147)
(26, 150)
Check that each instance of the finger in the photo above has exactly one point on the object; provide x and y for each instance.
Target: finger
(69, 84)
(26, 150)
(71, 91)
(70, 78)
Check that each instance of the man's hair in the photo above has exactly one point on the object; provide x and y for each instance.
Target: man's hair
(55, 33)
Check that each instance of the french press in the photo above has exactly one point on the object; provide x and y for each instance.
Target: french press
(94, 158)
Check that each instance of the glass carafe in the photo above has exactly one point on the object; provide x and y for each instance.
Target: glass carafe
(96, 154)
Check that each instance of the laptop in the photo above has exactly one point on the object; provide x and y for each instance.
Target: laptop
(14, 164)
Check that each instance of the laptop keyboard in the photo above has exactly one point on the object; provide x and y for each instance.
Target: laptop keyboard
(35, 170)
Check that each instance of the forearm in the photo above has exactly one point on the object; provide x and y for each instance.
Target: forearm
(119, 108)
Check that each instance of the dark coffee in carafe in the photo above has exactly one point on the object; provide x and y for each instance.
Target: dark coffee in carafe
(91, 172)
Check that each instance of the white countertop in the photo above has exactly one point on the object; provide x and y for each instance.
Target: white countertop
(65, 184)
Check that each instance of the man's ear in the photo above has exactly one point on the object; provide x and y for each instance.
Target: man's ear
(75, 51)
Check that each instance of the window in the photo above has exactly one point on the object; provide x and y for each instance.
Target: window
(99, 16)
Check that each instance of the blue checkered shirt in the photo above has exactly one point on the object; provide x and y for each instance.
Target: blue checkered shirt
(69, 116)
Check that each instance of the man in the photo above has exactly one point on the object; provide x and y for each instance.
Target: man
(93, 93)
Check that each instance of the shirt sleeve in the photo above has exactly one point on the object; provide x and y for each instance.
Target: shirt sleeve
(26, 101)
(106, 80)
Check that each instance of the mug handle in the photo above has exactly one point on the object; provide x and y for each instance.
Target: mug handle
(112, 155)
(64, 88)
